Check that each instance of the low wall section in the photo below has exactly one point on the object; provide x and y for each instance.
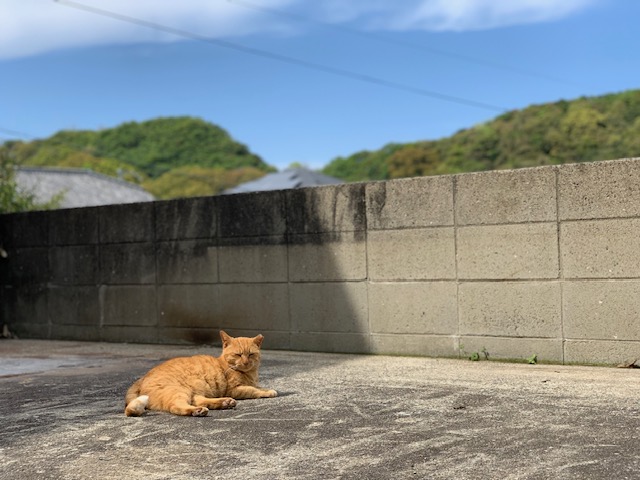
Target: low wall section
(541, 261)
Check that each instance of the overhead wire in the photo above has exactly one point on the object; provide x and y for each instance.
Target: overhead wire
(8, 131)
(394, 41)
(283, 58)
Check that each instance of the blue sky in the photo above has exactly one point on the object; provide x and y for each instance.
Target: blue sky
(301, 80)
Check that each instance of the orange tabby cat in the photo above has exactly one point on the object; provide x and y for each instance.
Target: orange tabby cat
(193, 385)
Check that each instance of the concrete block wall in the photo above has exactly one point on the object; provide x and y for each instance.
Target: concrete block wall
(514, 263)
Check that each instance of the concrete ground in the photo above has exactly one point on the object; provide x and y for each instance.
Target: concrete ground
(338, 416)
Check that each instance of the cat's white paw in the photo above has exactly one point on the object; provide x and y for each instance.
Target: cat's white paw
(137, 406)
(270, 393)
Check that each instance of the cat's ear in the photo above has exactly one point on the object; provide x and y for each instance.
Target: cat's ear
(258, 340)
(226, 339)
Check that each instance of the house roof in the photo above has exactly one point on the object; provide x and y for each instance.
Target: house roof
(289, 178)
(80, 187)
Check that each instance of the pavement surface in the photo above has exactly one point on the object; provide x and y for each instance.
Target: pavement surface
(337, 416)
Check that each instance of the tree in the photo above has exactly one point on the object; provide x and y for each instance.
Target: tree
(293, 165)
(12, 198)
(193, 181)
(413, 161)
(585, 129)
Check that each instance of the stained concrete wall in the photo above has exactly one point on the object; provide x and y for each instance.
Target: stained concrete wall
(535, 261)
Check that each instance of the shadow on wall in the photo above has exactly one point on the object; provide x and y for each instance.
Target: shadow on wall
(293, 264)
(375, 268)
(349, 268)
(290, 264)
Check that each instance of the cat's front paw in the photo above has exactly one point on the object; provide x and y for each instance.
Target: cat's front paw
(200, 412)
(270, 394)
(228, 403)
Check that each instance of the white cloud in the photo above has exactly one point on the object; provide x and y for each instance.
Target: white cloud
(452, 15)
(458, 15)
(29, 27)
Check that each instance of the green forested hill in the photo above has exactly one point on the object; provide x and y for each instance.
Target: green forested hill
(170, 157)
(582, 130)
(185, 156)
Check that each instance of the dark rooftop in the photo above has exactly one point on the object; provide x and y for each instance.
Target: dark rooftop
(80, 187)
(289, 178)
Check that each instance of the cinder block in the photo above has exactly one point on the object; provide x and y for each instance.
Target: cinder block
(31, 330)
(602, 310)
(599, 189)
(25, 266)
(329, 307)
(333, 208)
(410, 203)
(601, 352)
(128, 263)
(77, 226)
(28, 229)
(323, 257)
(194, 306)
(413, 254)
(273, 341)
(601, 248)
(254, 307)
(122, 334)
(190, 261)
(27, 304)
(74, 306)
(134, 222)
(419, 308)
(330, 342)
(511, 348)
(252, 214)
(506, 196)
(421, 345)
(74, 265)
(129, 306)
(78, 333)
(5, 293)
(6, 272)
(189, 335)
(187, 218)
(525, 309)
(508, 251)
(253, 260)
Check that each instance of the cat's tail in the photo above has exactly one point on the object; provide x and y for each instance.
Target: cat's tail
(136, 404)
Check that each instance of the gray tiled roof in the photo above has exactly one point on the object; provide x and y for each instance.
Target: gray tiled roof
(289, 178)
(81, 188)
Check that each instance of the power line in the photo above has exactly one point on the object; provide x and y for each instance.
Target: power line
(24, 136)
(16, 132)
(401, 43)
(283, 58)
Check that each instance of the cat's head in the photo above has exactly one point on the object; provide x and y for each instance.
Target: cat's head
(241, 353)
